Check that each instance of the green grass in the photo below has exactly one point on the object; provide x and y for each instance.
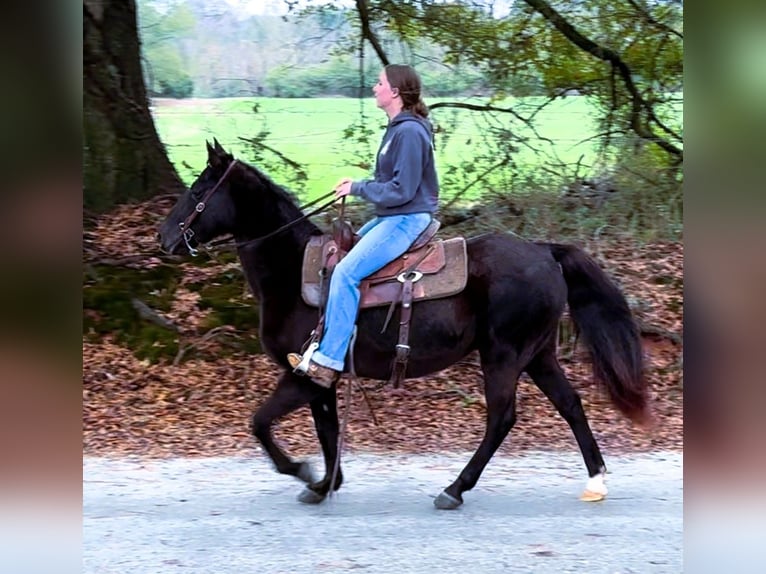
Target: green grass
(311, 132)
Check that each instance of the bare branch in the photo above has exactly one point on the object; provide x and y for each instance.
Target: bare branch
(292, 163)
(503, 162)
(489, 108)
(367, 33)
(149, 314)
(478, 108)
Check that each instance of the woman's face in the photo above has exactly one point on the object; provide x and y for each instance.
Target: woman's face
(384, 93)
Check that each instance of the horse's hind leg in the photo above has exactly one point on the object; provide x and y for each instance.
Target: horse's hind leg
(291, 393)
(325, 411)
(500, 391)
(548, 376)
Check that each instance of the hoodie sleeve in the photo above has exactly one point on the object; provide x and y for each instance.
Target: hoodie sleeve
(407, 173)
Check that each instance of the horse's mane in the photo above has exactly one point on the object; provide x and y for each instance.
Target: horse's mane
(284, 203)
(257, 178)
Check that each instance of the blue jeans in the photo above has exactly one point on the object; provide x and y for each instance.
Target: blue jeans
(383, 240)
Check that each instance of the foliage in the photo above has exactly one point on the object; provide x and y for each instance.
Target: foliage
(337, 76)
(175, 86)
(587, 46)
(328, 138)
(630, 201)
(461, 48)
(520, 159)
(523, 129)
(164, 36)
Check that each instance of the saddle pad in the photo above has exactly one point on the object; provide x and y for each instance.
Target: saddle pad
(430, 259)
(445, 273)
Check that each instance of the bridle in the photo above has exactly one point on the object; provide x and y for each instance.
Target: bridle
(185, 225)
(188, 233)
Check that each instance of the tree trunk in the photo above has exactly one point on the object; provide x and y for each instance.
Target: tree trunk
(123, 159)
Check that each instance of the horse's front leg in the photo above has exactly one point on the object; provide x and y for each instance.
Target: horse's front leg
(324, 408)
(292, 392)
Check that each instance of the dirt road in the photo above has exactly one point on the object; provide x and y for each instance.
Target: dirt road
(235, 515)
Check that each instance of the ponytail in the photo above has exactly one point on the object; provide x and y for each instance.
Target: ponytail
(420, 108)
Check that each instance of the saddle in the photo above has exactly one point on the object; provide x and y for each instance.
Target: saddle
(431, 268)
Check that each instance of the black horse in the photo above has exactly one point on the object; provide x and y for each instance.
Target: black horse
(509, 311)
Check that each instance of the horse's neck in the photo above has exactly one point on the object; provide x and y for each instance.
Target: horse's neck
(273, 267)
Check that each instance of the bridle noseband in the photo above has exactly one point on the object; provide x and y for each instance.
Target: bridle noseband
(188, 233)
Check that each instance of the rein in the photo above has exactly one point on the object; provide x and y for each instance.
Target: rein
(289, 224)
(188, 233)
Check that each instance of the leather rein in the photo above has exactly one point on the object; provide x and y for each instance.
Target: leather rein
(188, 233)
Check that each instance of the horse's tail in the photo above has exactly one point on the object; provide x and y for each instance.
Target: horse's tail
(608, 329)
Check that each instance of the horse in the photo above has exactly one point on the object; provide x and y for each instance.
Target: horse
(509, 311)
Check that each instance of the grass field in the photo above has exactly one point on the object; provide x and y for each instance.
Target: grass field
(311, 132)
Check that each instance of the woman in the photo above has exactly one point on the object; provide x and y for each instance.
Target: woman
(405, 195)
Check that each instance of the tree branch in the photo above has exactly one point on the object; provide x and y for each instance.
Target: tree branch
(478, 108)
(292, 163)
(607, 55)
(367, 33)
(648, 17)
(489, 108)
(505, 161)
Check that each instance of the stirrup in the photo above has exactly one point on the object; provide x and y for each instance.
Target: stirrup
(303, 366)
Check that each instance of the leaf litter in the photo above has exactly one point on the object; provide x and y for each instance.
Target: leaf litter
(200, 405)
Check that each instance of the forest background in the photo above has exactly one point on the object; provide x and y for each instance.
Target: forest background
(560, 122)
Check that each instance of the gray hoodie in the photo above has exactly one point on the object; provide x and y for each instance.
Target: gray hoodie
(405, 174)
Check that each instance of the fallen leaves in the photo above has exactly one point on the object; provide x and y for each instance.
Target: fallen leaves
(202, 406)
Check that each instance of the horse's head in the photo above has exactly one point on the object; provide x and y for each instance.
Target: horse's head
(228, 197)
(205, 210)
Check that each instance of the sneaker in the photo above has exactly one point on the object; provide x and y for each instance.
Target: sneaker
(321, 375)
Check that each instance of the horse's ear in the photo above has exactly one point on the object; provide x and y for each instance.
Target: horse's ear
(213, 157)
(217, 156)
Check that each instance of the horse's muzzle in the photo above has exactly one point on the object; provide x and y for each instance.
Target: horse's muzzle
(170, 245)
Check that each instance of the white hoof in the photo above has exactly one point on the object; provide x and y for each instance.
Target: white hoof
(595, 489)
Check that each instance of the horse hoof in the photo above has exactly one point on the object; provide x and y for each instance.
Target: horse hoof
(446, 501)
(308, 496)
(305, 474)
(595, 489)
(592, 496)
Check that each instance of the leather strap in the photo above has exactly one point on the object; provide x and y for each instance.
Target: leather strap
(403, 347)
(409, 277)
(406, 273)
(324, 291)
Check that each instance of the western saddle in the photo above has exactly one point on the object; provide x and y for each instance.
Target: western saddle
(430, 269)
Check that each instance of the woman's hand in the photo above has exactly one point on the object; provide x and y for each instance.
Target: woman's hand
(343, 187)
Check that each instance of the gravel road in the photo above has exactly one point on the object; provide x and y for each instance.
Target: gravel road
(236, 515)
